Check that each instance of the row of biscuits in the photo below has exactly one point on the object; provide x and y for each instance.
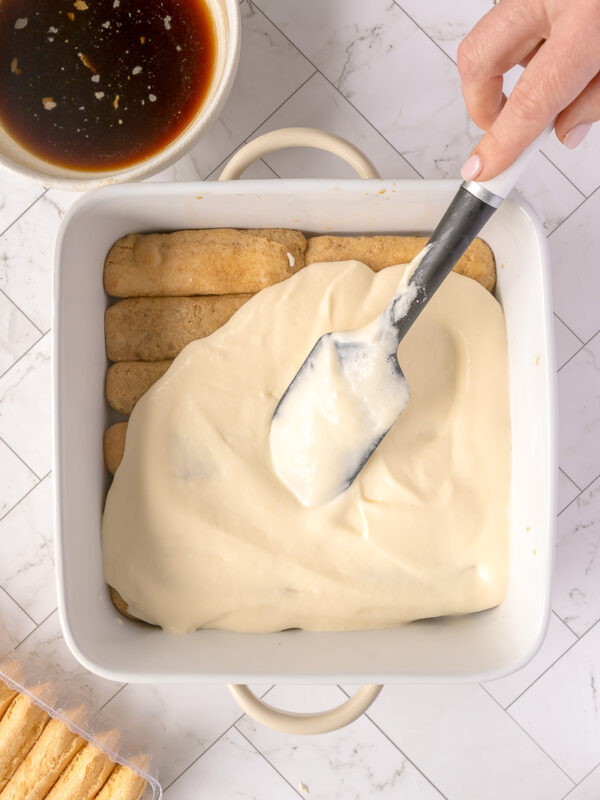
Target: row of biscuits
(41, 758)
(183, 286)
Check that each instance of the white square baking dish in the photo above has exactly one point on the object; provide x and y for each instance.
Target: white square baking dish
(475, 647)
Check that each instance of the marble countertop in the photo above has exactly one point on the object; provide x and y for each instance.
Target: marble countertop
(382, 74)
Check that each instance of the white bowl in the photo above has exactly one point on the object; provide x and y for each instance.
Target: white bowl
(474, 647)
(226, 17)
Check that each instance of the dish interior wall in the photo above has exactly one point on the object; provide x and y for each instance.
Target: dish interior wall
(468, 648)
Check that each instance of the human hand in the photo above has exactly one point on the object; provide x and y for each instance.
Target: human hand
(558, 42)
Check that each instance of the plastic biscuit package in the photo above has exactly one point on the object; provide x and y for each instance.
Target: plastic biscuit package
(52, 746)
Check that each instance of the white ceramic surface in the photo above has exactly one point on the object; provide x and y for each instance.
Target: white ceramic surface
(474, 647)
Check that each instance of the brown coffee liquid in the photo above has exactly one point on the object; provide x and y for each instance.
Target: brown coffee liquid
(102, 84)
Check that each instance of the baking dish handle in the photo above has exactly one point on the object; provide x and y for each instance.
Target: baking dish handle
(297, 137)
(291, 722)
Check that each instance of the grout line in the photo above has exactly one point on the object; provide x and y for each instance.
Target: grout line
(591, 339)
(570, 214)
(536, 679)
(568, 328)
(198, 757)
(110, 699)
(16, 602)
(587, 775)
(571, 357)
(563, 174)
(27, 317)
(36, 629)
(37, 341)
(252, 132)
(269, 167)
(562, 622)
(20, 500)
(526, 732)
(585, 488)
(567, 506)
(570, 647)
(580, 636)
(263, 756)
(431, 39)
(341, 94)
(569, 478)
(28, 492)
(392, 742)
(212, 744)
(583, 346)
(419, 770)
(221, 163)
(14, 452)
(16, 219)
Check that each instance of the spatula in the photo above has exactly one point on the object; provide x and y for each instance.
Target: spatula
(350, 389)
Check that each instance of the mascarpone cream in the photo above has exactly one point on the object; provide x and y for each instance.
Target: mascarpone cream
(199, 531)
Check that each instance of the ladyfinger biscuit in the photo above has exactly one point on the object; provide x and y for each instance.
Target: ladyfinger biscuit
(124, 783)
(45, 762)
(20, 728)
(87, 773)
(7, 695)
(13, 670)
(217, 261)
(120, 604)
(158, 328)
(378, 252)
(127, 381)
(114, 445)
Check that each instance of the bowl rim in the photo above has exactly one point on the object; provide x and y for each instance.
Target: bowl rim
(174, 150)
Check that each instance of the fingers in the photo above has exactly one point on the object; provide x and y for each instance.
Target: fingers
(505, 36)
(575, 121)
(556, 74)
(524, 61)
(484, 101)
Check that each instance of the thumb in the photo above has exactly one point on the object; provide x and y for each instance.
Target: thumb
(575, 121)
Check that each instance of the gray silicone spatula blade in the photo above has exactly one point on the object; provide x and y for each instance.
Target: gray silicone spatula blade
(350, 389)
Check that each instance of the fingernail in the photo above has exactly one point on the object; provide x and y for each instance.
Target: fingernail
(576, 135)
(471, 168)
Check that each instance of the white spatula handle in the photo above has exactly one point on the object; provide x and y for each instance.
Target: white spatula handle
(470, 209)
(501, 186)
